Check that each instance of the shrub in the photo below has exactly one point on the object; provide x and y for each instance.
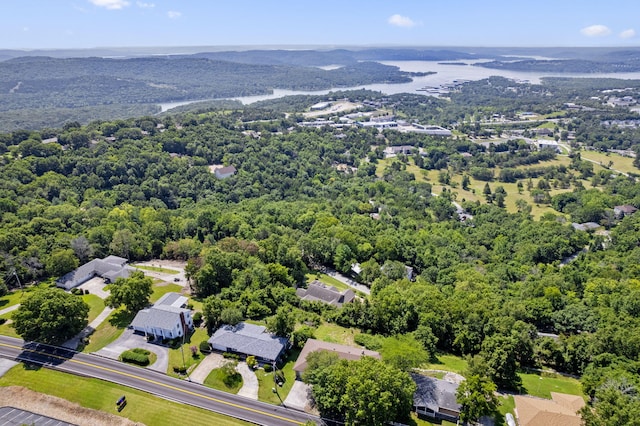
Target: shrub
(204, 347)
(268, 368)
(370, 342)
(251, 361)
(197, 319)
(86, 291)
(180, 369)
(2, 320)
(230, 355)
(135, 356)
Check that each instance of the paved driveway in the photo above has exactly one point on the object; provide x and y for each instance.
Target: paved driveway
(249, 387)
(130, 340)
(95, 286)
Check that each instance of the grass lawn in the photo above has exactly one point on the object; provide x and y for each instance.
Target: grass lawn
(109, 330)
(215, 380)
(507, 405)
(415, 421)
(265, 381)
(334, 333)
(315, 275)
(448, 362)
(175, 355)
(624, 164)
(7, 329)
(542, 384)
(12, 298)
(100, 395)
(96, 305)
(161, 290)
(156, 269)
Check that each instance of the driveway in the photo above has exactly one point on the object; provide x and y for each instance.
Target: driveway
(130, 340)
(174, 265)
(249, 387)
(210, 362)
(95, 286)
(299, 397)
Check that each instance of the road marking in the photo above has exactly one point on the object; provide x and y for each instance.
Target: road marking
(144, 379)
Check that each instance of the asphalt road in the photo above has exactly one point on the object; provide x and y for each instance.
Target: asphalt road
(150, 381)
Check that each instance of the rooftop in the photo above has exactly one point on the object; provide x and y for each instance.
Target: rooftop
(561, 410)
(343, 351)
(318, 291)
(249, 339)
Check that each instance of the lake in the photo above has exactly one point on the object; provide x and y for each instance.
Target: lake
(445, 74)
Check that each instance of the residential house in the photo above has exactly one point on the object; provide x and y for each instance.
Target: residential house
(392, 151)
(318, 291)
(560, 410)
(225, 172)
(249, 340)
(166, 319)
(110, 268)
(344, 352)
(624, 210)
(435, 398)
(587, 226)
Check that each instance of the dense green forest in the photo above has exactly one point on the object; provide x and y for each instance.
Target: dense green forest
(484, 288)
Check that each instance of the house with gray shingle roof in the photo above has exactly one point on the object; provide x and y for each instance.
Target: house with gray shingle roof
(110, 268)
(436, 398)
(166, 319)
(317, 291)
(249, 340)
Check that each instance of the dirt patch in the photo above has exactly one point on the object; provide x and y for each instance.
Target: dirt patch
(58, 408)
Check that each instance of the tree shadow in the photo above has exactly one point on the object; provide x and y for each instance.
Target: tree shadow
(121, 319)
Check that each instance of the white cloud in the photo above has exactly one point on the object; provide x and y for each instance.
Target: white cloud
(143, 5)
(596, 31)
(110, 4)
(401, 21)
(173, 14)
(630, 33)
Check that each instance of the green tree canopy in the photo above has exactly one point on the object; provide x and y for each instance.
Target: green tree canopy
(477, 397)
(50, 316)
(132, 292)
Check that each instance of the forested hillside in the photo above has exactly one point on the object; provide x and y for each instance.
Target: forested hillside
(485, 287)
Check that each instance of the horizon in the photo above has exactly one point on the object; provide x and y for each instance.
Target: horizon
(116, 24)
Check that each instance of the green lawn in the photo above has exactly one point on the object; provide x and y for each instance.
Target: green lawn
(96, 305)
(624, 164)
(507, 405)
(315, 275)
(334, 333)
(175, 355)
(161, 290)
(109, 330)
(12, 298)
(215, 380)
(448, 362)
(265, 380)
(542, 384)
(156, 269)
(100, 395)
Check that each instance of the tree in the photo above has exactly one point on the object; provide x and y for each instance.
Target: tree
(283, 322)
(477, 397)
(61, 261)
(616, 402)
(500, 354)
(132, 292)
(212, 308)
(465, 182)
(50, 316)
(82, 248)
(403, 352)
(231, 316)
(363, 392)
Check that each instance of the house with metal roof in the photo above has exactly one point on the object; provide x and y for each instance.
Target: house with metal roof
(249, 340)
(436, 398)
(166, 319)
(110, 268)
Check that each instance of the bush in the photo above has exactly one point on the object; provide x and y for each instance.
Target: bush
(86, 291)
(230, 355)
(136, 356)
(268, 368)
(197, 319)
(2, 320)
(77, 291)
(204, 347)
(370, 342)
(180, 369)
(251, 361)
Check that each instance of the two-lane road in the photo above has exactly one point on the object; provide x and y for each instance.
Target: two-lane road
(149, 381)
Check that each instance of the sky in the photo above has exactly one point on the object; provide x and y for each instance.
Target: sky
(64, 24)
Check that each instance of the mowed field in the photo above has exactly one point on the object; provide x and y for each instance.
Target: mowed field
(476, 187)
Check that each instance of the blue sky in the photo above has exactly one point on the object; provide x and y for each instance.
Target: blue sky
(31, 24)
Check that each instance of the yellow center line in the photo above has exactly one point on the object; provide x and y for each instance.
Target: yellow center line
(133, 376)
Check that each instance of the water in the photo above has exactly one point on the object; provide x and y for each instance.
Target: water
(445, 74)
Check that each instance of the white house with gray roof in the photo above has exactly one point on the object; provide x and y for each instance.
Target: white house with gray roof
(110, 268)
(166, 319)
(249, 340)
